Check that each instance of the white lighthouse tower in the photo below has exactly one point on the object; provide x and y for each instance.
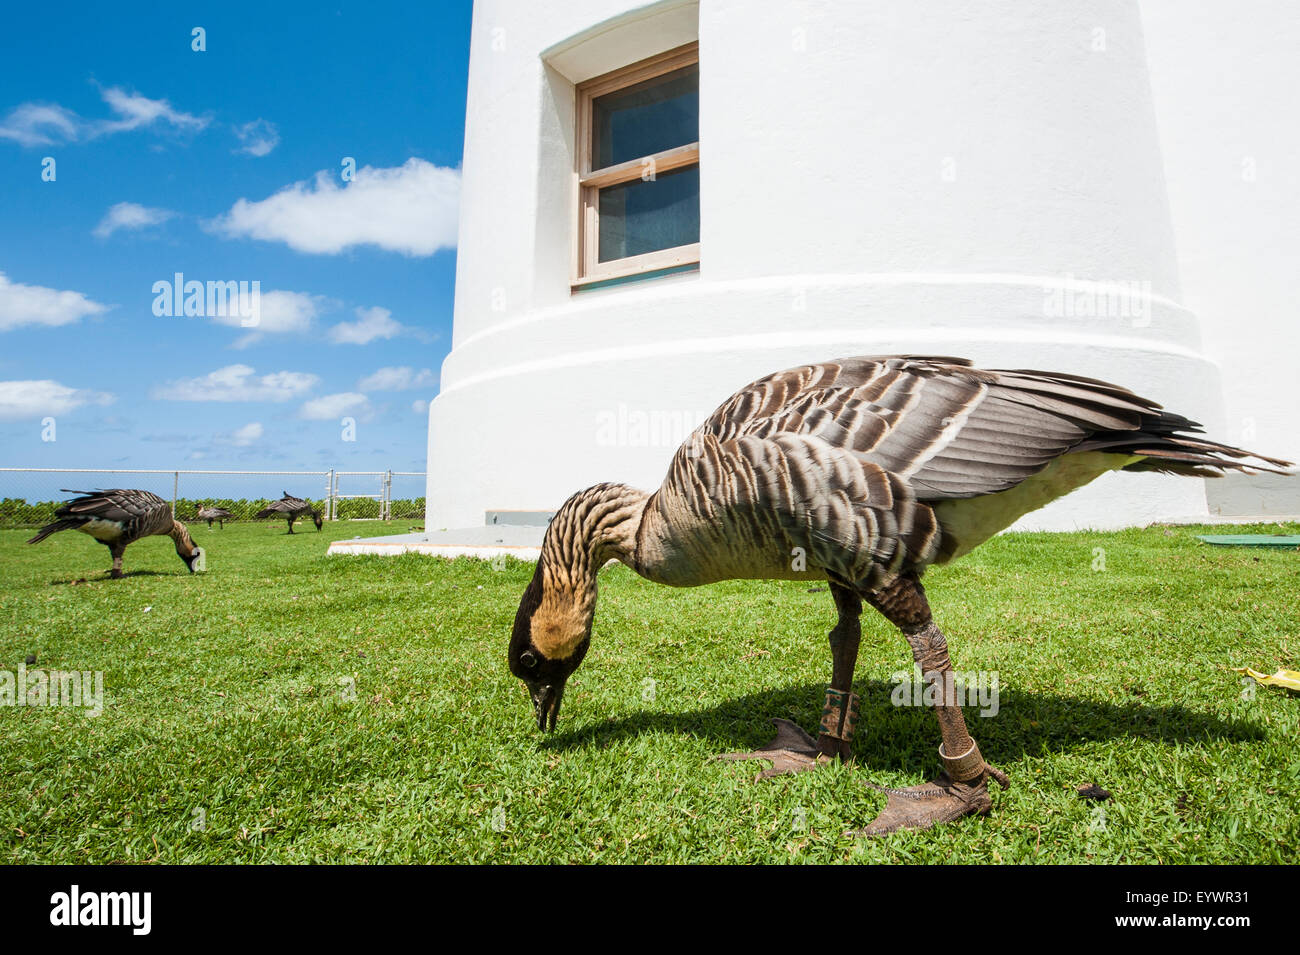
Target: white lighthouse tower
(662, 202)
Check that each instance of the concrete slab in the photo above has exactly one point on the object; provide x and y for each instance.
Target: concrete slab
(1277, 495)
(1221, 519)
(485, 543)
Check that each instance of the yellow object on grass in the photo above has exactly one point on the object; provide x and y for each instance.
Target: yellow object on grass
(1287, 678)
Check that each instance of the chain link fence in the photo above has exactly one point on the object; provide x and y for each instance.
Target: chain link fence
(30, 496)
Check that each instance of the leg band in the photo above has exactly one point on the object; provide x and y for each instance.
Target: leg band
(966, 767)
(840, 714)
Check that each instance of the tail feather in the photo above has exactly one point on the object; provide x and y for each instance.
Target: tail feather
(1165, 445)
(54, 528)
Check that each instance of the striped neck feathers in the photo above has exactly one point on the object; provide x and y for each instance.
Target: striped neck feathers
(590, 528)
(181, 537)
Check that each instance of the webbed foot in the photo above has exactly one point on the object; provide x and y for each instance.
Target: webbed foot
(942, 799)
(790, 751)
(793, 751)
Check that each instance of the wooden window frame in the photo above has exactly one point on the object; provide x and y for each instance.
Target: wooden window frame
(587, 268)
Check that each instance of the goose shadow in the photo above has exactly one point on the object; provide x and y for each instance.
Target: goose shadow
(904, 737)
(94, 578)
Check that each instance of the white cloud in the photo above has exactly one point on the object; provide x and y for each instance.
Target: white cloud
(237, 383)
(420, 406)
(130, 215)
(258, 137)
(243, 437)
(38, 305)
(134, 111)
(47, 124)
(278, 312)
(37, 124)
(410, 209)
(397, 379)
(36, 399)
(334, 406)
(371, 323)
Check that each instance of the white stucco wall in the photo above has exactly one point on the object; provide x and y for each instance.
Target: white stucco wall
(1223, 74)
(875, 178)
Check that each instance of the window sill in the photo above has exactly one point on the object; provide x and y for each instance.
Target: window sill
(590, 285)
(639, 264)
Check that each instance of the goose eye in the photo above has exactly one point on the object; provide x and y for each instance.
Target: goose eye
(528, 659)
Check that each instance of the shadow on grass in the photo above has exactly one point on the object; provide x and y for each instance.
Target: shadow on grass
(94, 578)
(893, 737)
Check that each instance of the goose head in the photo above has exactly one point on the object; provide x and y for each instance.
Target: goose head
(188, 551)
(551, 635)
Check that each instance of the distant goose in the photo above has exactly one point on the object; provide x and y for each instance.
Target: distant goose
(291, 508)
(120, 517)
(218, 514)
(861, 472)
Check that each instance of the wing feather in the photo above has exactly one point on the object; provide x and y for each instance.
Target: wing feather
(954, 431)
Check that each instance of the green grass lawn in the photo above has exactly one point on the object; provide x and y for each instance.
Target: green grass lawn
(289, 707)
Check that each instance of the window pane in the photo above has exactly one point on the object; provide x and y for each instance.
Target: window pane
(641, 216)
(647, 118)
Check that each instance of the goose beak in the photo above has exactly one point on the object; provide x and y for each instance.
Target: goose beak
(546, 704)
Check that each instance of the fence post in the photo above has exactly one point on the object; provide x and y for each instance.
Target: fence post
(386, 512)
(329, 495)
(176, 490)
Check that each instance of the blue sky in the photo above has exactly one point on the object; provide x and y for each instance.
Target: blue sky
(226, 165)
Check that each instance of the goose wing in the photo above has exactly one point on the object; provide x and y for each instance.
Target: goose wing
(951, 431)
(286, 505)
(131, 513)
(120, 505)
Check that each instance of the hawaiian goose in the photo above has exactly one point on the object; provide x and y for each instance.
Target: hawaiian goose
(218, 514)
(120, 517)
(291, 508)
(862, 472)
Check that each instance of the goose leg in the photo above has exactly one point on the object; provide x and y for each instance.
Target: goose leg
(962, 788)
(116, 572)
(792, 750)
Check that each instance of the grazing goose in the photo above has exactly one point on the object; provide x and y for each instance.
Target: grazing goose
(120, 517)
(291, 508)
(218, 514)
(862, 472)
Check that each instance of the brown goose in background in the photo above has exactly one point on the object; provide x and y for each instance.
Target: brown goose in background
(862, 472)
(291, 508)
(218, 514)
(119, 517)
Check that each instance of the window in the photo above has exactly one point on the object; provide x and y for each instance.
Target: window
(639, 168)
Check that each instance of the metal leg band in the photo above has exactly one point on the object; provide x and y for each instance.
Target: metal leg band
(840, 714)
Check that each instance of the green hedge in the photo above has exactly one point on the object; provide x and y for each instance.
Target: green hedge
(16, 512)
